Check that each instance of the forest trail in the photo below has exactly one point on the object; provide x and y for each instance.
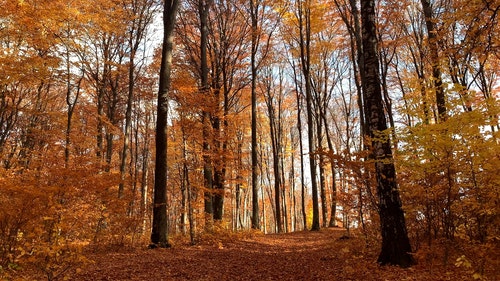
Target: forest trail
(302, 255)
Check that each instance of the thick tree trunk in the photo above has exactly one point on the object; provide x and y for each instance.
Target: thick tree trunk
(159, 232)
(395, 243)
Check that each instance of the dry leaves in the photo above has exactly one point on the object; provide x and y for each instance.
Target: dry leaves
(294, 256)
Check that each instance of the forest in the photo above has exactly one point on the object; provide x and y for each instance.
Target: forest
(128, 123)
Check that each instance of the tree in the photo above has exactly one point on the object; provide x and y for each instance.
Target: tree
(139, 17)
(254, 9)
(274, 98)
(257, 10)
(304, 21)
(437, 81)
(159, 232)
(395, 243)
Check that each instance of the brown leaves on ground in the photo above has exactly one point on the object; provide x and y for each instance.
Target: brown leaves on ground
(302, 255)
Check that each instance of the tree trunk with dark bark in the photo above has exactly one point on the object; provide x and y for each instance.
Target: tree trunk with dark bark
(395, 243)
(304, 17)
(254, 8)
(159, 232)
(203, 7)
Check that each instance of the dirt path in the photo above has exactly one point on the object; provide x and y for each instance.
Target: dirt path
(294, 256)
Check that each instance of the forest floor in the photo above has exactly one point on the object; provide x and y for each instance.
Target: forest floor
(306, 255)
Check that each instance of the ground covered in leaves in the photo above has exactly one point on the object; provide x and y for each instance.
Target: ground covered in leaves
(323, 255)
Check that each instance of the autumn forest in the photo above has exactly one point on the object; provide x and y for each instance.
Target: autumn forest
(128, 123)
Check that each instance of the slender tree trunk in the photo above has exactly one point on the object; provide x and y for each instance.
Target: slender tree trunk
(222, 146)
(255, 188)
(276, 167)
(292, 180)
(102, 82)
(184, 190)
(159, 232)
(353, 26)
(71, 103)
(395, 243)
(185, 187)
(430, 22)
(305, 40)
(333, 203)
(239, 180)
(301, 150)
(322, 180)
(109, 150)
(219, 171)
(203, 8)
(146, 154)
(128, 122)
(292, 186)
(140, 13)
(192, 223)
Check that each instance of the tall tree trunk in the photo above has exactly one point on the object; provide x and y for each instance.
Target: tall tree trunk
(101, 85)
(145, 172)
(159, 232)
(203, 8)
(71, 103)
(190, 193)
(185, 188)
(222, 145)
(301, 149)
(395, 243)
(352, 23)
(219, 171)
(141, 16)
(333, 203)
(322, 180)
(430, 22)
(275, 141)
(305, 55)
(254, 9)
(239, 180)
(292, 184)
(128, 123)
(184, 179)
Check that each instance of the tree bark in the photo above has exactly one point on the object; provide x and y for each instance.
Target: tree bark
(159, 232)
(395, 243)
(434, 56)
(301, 149)
(141, 18)
(275, 134)
(206, 116)
(255, 189)
(305, 39)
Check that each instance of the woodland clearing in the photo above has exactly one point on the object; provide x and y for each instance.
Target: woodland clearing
(305, 255)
